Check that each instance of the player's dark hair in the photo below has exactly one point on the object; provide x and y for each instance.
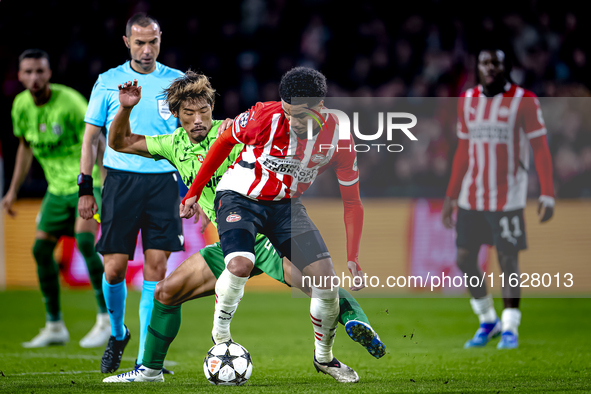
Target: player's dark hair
(303, 82)
(34, 54)
(506, 61)
(192, 87)
(142, 20)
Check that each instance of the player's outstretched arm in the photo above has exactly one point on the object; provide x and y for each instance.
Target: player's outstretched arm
(543, 162)
(87, 206)
(24, 158)
(353, 229)
(219, 151)
(121, 138)
(458, 170)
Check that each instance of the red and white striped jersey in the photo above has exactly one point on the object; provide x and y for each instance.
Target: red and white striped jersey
(498, 130)
(275, 164)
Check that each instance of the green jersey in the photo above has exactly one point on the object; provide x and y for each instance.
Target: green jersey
(187, 157)
(54, 131)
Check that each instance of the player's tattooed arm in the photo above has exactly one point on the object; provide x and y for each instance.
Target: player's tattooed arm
(24, 158)
(121, 138)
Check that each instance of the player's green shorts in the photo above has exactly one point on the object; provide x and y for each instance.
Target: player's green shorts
(267, 259)
(58, 214)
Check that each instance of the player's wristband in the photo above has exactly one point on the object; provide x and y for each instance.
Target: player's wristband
(85, 185)
(547, 201)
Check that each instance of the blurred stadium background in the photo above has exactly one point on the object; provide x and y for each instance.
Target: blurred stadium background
(368, 49)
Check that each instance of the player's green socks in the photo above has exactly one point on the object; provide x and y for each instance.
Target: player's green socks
(95, 267)
(48, 273)
(164, 327)
(349, 308)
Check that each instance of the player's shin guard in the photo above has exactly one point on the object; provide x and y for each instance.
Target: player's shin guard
(324, 312)
(228, 292)
(484, 308)
(164, 327)
(146, 306)
(349, 308)
(115, 297)
(48, 273)
(95, 267)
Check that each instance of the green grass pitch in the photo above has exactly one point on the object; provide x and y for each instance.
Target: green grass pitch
(424, 337)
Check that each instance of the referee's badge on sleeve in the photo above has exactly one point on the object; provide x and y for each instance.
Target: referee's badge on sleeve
(163, 109)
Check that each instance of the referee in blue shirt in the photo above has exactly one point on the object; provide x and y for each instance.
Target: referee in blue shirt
(139, 193)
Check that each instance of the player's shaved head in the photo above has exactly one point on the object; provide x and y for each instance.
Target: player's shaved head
(140, 19)
(33, 54)
(303, 82)
(191, 87)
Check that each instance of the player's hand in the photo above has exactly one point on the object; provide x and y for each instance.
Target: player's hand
(356, 272)
(129, 94)
(225, 124)
(187, 210)
(7, 203)
(545, 211)
(446, 212)
(201, 215)
(87, 207)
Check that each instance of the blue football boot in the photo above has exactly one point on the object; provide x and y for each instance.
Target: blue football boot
(366, 336)
(485, 333)
(508, 341)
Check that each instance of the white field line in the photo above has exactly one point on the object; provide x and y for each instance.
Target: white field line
(51, 373)
(72, 356)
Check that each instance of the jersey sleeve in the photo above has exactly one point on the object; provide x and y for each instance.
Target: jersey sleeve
(77, 113)
(247, 127)
(160, 146)
(345, 165)
(18, 126)
(462, 129)
(96, 114)
(531, 115)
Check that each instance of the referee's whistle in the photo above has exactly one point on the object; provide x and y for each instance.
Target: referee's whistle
(97, 218)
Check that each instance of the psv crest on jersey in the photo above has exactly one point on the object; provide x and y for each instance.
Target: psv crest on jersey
(163, 109)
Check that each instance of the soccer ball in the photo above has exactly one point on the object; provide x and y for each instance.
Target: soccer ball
(227, 364)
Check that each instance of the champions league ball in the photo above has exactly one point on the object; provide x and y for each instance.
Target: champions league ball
(227, 364)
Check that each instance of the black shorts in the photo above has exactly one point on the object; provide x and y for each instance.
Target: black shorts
(146, 202)
(505, 230)
(286, 224)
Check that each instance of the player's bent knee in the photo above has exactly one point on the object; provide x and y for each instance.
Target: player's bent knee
(240, 263)
(161, 293)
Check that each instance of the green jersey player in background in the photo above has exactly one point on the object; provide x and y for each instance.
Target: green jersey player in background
(191, 99)
(48, 119)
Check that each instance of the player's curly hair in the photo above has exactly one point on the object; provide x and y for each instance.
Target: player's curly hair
(303, 82)
(192, 87)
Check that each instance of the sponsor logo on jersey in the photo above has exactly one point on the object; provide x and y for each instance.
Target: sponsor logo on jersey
(57, 130)
(200, 158)
(289, 167)
(163, 109)
(42, 127)
(233, 217)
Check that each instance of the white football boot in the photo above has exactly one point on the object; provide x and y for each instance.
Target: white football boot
(99, 334)
(339, 371)
(139, 374)
(54, 333)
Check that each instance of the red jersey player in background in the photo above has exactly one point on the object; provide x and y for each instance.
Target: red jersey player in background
(259, 194)
(496, 120)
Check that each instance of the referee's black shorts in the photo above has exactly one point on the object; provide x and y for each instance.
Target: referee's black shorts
(146, 202)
